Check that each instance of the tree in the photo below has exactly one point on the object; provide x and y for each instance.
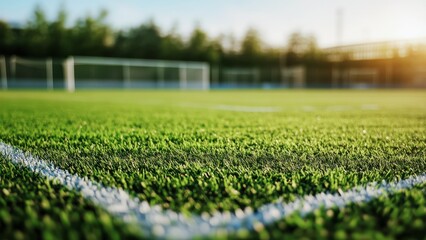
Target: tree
(228, 43)
(251, 45)
(143, 41)
(35, 35)
(301, 48)
(59, 36)
(200, 48)
(172, 45)
(251, 48)
(6, 38)
(197, 45)
(92, 36)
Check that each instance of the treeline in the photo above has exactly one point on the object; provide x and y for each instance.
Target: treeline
(92, 36)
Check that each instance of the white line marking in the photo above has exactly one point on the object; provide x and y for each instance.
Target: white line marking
(370, 107)
(156, 222)
(338, 108)
(234, 108)
(246, 108)
(308, 108)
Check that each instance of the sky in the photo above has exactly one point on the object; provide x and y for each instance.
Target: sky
(360, 20)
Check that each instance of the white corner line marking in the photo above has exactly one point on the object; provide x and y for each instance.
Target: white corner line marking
(156, 222)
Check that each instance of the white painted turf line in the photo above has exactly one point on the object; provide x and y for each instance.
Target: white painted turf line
(246, 108)
(156, 222)
(234, 108)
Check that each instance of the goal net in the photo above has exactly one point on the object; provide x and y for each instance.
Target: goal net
(241, 77)
(32, 73)
(362, 77)
(95, 72)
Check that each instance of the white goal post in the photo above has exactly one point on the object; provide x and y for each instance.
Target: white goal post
(88, 72)
(3, 72)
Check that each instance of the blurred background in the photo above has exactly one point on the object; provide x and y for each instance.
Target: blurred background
(212, 44)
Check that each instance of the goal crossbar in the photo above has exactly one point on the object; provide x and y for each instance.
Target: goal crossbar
(137, 62)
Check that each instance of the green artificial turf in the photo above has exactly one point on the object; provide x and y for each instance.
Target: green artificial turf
(400, 216)
(32, 207)
(190, 152)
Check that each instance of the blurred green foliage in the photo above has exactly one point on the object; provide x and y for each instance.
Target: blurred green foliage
(93, 36)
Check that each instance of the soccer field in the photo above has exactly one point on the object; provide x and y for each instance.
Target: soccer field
(213, 164)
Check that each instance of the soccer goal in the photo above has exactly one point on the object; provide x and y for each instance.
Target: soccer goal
(362, 77)
(28, 73)
(241, 77)
(96, 72)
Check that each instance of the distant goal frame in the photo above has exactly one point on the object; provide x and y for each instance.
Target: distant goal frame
(126, 64)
